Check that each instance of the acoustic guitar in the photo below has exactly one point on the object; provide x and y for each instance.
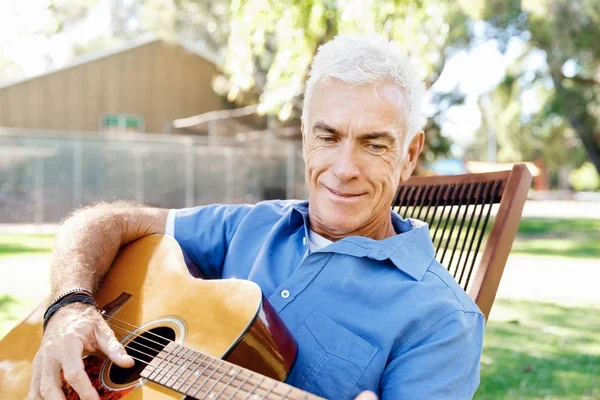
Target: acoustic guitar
(190, 338)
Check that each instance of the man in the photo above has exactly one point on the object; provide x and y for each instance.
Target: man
(359, 288)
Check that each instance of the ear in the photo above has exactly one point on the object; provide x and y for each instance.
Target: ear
(303, 141)
(414, 150)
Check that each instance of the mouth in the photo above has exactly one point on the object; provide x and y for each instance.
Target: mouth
(344, 195)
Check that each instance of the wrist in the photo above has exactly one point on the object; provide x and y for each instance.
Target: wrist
(73, 296)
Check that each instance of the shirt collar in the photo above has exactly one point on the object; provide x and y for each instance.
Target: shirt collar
(411, 250)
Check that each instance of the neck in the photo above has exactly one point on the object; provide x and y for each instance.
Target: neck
(378, 229)
(199, 375)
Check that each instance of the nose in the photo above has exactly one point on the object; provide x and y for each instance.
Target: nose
(345, 166)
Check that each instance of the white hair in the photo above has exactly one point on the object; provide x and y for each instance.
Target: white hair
(369, 60)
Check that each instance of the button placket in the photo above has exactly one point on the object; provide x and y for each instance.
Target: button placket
(298, 281)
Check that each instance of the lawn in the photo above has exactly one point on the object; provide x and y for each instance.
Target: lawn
(578, 238)
(12, 245)
(541, 351)
(12, 306)
(533, 350)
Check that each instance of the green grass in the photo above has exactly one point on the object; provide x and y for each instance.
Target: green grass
(533, 350)
(12, 310)
(552, 226)
(573, 238)
(7, 314)
(580, 247)
(11, 245)
(537, 236)
(541, 351)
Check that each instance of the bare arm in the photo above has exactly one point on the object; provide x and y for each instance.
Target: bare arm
(84, 250)
(88, 242)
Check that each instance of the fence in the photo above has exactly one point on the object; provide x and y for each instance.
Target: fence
(45, 175)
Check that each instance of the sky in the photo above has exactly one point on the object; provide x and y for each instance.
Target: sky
(22, 39)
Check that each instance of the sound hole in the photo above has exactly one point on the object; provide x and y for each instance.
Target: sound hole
(144, 347)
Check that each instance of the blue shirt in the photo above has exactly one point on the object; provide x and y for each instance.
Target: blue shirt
(380, 315)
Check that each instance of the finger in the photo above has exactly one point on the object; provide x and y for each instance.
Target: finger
(74, 372)
(34, 387)
(34, 396)
(366, 395)
(50, 382)
(109, 345)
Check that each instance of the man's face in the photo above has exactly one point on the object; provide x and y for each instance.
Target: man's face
(353, 154)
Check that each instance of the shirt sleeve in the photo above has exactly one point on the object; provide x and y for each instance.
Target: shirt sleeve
(204, 234)
(441, 363)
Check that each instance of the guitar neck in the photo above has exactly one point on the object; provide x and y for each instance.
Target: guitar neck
(201, 376)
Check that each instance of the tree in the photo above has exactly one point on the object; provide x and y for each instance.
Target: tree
(567, 33)
(271, 45)
(525, 136)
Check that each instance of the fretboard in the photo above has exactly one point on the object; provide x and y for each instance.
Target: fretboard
(201, 376)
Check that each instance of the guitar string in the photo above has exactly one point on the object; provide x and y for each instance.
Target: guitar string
(236, 388)
(173, 364)
(144, 331)
(150, 333)
(107, 318)
(168, 363)
(138, 328)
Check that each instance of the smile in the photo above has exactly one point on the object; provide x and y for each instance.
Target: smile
(342, 195)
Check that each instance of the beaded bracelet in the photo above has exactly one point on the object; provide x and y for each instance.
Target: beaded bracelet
(65, 300)
(71, 292)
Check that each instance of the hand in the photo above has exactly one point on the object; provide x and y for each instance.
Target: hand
(73, 330)
(366, 395)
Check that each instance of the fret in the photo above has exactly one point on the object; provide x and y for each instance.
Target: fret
(266, 388)
(296, 394)
(286, 394)
(191, 370)
(168, 375)
(240, 386)
(164, 362)
(161, 363)
(209, 390)
(254, 388)
(205, 381)
(270, 391)
(228, 384)
(152, 366)
(224, 368)
(198, 375)
(183, 367)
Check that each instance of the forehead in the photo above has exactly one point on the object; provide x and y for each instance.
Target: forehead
(359, 107)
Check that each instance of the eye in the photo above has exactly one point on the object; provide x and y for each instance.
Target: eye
(327, 139)
(377, 148)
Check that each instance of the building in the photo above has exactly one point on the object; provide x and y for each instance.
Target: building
(141, 87)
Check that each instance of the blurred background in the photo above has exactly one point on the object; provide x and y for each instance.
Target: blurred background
(175, 103)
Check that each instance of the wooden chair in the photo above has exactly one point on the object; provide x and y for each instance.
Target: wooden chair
(457, 209)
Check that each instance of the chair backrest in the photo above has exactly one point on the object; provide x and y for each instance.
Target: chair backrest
(458, 209)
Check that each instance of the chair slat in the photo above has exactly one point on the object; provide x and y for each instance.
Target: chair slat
(471, 231)
(458, 210)
(462, 207)
(496, 189)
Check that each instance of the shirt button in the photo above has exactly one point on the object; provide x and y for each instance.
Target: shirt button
(304, 241)
(285, 294)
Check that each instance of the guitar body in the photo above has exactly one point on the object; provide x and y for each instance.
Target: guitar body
(225, 319)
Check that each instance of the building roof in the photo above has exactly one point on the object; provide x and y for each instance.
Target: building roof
(135, 43)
